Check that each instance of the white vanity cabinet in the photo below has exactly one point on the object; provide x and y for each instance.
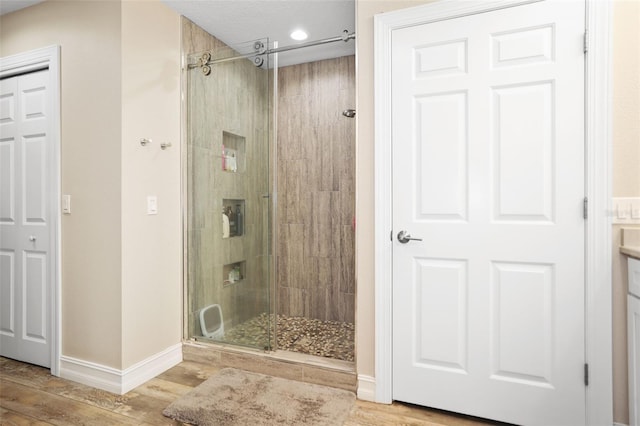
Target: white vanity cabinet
(633, 330)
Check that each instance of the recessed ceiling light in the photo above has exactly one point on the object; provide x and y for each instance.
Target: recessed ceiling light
(299, 35)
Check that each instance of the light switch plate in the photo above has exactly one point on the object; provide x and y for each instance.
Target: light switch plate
(152, 204)
(626, 210)
(66, 204)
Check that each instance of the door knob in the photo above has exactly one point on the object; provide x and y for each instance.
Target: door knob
(32, 238)
(404, 237)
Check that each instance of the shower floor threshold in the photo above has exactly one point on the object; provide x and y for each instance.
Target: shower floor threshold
(335, 364)
(216, 348)
(294, 366)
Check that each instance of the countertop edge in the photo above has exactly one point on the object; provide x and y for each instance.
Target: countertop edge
(630, 251)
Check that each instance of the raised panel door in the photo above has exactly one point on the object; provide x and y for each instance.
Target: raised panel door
(488, 171)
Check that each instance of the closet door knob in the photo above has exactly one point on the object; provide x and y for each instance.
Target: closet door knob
(32, 238)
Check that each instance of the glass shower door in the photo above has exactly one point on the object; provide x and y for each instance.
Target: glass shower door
(228, 204)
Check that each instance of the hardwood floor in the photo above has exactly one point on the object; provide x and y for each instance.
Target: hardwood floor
(29, 395)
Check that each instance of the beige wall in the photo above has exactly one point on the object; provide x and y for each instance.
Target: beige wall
(626, 176)
(151, 245)
(626, 98)
(119, 82)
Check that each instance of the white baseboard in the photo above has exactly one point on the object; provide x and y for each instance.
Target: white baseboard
(366, 388)
(619, 424)
(149, 368)
(91, 374)
(119, 381)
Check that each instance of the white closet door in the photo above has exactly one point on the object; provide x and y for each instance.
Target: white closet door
(25, 212)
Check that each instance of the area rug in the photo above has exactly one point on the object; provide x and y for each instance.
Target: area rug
(236, 397)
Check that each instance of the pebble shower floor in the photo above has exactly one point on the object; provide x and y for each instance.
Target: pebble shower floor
(330, 339)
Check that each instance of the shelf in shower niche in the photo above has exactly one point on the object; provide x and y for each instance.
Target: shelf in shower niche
(234, 273)
(233, 218)
(233, 153)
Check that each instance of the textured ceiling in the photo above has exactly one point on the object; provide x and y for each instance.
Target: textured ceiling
(239, 21)
(8, 6)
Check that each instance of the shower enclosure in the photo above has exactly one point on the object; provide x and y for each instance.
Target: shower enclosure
(269, 201)
(228, 192)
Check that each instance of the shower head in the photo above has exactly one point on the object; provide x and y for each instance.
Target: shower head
(350, 113)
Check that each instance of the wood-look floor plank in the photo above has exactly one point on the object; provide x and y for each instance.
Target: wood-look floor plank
(162, 390)
(370, 414)
(12, 418)
(29, 395)
(57, 410)
(135, 404)
(144, 403)
(189, 373)
(26, 374)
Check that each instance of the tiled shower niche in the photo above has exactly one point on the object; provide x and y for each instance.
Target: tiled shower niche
(233, 153)
(234, 273)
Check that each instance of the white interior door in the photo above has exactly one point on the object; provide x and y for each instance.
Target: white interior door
(488, 170)
(25, 212)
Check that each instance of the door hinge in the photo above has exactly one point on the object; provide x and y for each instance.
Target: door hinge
(391, 235)
(586, 374)
(585, 42)
(585, 207)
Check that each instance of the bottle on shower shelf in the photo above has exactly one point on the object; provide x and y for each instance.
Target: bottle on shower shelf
(236, 273)
(225, 224)
(224, 159)
(232, 164)
(233, 224)
(239, 221)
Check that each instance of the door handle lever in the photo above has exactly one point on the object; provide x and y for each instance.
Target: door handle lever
(404, 237)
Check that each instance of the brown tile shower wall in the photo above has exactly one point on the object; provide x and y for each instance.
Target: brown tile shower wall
(316, 194)
(231, 102)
